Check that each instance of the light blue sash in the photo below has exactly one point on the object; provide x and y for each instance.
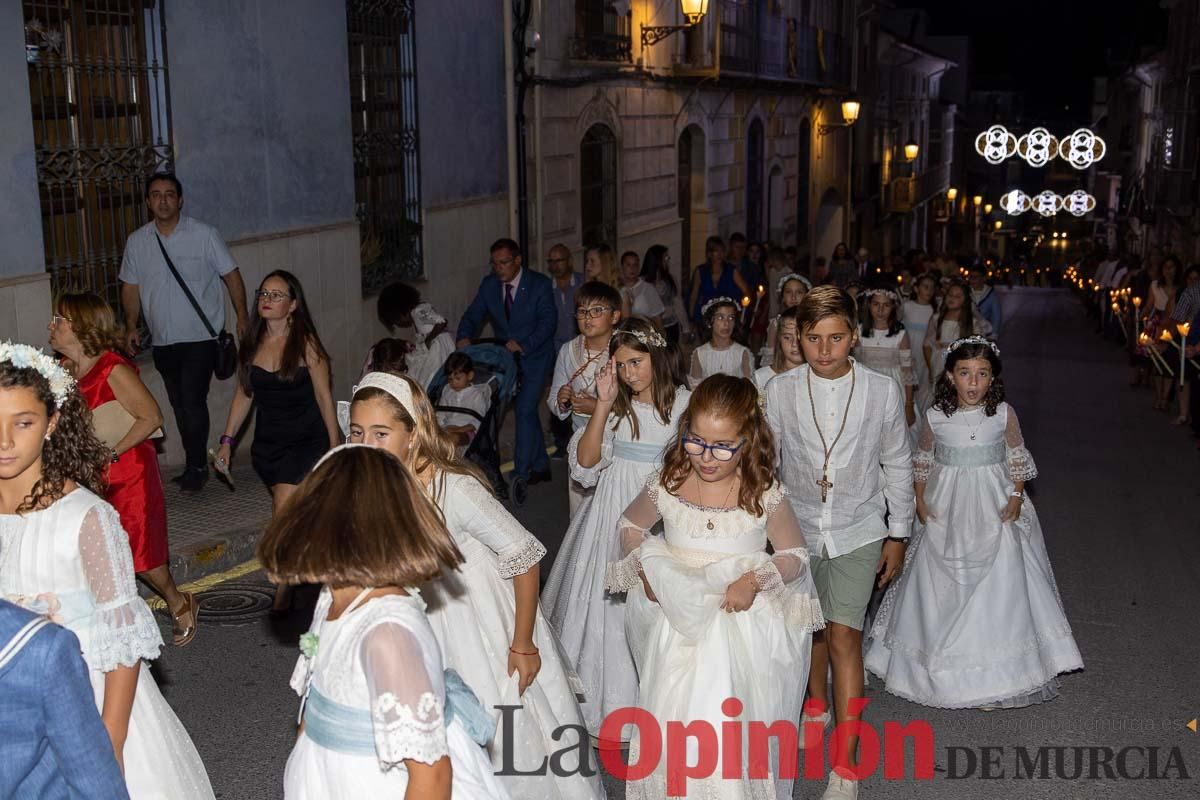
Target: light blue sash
(978, 456)
(349, 730)
(638, 451)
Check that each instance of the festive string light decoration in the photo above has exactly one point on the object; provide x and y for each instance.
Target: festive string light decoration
(1082, 149)
(1015, 202)
(996, 144)
(1037, 147)
(1047, 203)
(1079, 202)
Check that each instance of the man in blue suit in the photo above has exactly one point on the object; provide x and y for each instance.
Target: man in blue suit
(52, 742)
(520, 306)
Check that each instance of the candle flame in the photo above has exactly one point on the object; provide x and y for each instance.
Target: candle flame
(745, 302)
(1183, 328)
(1143, 339)
(1165, 336)
(1137, 301)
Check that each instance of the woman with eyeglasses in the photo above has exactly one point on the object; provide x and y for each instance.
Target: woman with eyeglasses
(125, 417)
(284, 373)
(709, 615)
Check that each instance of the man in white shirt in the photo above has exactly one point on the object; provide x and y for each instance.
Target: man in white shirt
(844, 456)
(184, 351)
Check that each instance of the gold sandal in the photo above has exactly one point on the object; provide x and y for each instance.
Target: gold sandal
(184, 633)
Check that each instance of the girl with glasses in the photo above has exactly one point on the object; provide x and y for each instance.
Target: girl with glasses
(709, 614)
(721, 354)
(638, 403)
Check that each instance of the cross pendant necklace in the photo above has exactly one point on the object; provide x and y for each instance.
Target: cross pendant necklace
(825, 483)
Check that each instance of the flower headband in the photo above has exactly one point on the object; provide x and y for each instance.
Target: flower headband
(396, 387)
(718, 301)
(972, 340)
(23, 356)
(888, 293)
(650, 339)
(793, 276)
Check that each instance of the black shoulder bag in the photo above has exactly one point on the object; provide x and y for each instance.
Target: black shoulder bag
(226, 363)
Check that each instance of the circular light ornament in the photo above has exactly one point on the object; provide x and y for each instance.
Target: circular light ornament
(1037, 147)
(1015, 202)
(1082, 148)
(1078, 203)
(996, 144)
(1047, 203)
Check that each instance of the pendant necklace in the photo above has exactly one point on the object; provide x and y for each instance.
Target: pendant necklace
(975, 430)
(824, 483)
(700, 494)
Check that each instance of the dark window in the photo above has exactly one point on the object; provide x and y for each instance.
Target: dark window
(754, 181)
(383, 114)
(101, 125)
(601, 34)
(598, 186)
(803, 176)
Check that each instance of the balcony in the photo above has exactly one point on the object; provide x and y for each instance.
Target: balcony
(758, 44)
(601, 34)
(901, 195)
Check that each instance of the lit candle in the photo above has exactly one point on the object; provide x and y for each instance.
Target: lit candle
(1183, 328)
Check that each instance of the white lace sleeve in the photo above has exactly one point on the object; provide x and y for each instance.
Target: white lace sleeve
(590, 476)
(633, 528)
(1020, 462)
(788, 565)
(923, 456)
(406, 709)
(907, 376)
(123, 630)
(480, 514)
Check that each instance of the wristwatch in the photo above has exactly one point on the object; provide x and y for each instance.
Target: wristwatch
(1021, 495)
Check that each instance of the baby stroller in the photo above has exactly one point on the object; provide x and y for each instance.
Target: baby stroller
(496, 367)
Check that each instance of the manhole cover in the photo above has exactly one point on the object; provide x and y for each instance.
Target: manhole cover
(235, 602)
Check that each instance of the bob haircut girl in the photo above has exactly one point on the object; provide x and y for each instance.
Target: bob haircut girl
(637, 333)
(359, 519)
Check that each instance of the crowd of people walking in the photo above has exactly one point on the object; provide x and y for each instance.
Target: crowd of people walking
(850, 415)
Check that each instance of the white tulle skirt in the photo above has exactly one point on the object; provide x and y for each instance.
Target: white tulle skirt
(975, 618)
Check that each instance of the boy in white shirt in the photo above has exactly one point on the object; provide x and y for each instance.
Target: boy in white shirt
(573, 387)
(460, 392)
(844, 457)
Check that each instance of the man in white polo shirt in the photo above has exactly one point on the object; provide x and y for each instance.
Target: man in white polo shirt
(184, 350)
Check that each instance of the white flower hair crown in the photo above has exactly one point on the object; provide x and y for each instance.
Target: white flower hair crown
(718, 301)
(24, 356)
(888, 293)
(792, 276)
(972, 340)
(648, 339)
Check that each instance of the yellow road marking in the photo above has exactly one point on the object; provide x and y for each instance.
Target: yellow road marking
(209, 581)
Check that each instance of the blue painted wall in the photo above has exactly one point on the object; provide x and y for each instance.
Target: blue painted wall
(260, 106)
(460, 96)
(20, 208)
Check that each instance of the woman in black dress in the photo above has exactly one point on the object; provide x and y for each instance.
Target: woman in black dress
(284, 372)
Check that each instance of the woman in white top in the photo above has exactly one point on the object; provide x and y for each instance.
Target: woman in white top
(637, 296)
(916, 313)
(956, 317)
(720, 354)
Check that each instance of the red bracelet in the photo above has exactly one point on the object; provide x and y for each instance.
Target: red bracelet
(521, 653)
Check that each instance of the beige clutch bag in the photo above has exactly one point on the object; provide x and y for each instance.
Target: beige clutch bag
(111, 422)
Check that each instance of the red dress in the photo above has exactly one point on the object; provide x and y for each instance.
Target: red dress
(134, 486)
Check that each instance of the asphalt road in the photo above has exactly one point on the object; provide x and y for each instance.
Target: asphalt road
(1119, 500)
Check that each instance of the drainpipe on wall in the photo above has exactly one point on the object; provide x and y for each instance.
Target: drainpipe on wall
(510, 118)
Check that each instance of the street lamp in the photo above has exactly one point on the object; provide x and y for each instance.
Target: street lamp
(693, 11)
(911, 150)
(998, 224)
(977, 200)
(850, 108)
(951, 194)
(987, 208)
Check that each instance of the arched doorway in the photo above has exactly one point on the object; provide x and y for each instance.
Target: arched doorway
(598, 186)
(691, 207)
(754, 181)
(827, 230)
(803, 177)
